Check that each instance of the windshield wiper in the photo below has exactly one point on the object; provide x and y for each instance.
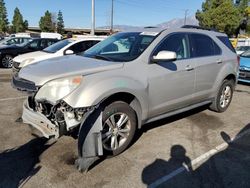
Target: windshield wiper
(102, 57)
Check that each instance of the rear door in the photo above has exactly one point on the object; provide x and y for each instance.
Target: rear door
(171, 84)
(208, 64)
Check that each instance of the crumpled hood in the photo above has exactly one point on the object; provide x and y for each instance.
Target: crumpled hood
(44, 71)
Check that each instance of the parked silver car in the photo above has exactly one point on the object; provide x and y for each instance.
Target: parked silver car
(126, 81)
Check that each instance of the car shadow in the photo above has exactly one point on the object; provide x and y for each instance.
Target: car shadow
(19, 164)
(230, 168)
(165, 121)
(243, 83)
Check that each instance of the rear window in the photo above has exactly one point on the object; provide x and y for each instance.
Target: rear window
(203, 46)
(227, 42)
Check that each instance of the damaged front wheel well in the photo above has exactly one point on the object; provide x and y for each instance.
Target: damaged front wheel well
(127, 98)
(122, 96)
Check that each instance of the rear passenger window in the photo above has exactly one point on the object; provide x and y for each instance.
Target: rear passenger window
(227, 42)
(203, 45)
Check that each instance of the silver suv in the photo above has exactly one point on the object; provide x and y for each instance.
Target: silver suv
(126, 81)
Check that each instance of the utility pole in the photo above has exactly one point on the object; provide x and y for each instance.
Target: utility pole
(186, 13)
(112, 16)
(93, 18)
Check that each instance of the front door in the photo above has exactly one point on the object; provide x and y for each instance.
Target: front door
(171, 84)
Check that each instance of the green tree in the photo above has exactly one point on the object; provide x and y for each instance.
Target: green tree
(3, 17)
(26, 24)
(60, 23)
(18, 24)
(45, 22)
(221, 15)
(243, 4)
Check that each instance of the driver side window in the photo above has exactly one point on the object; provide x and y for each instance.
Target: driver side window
(177, 43)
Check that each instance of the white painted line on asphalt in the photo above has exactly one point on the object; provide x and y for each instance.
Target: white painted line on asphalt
(195, 161)
(14, 98)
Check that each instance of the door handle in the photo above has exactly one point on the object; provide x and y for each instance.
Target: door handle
(218, 61)
(189, 68)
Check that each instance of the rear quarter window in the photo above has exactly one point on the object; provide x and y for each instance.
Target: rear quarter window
(226, 42)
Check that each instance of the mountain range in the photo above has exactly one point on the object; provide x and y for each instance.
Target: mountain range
(174, 23)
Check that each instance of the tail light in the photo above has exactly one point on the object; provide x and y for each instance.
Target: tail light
(238, 60)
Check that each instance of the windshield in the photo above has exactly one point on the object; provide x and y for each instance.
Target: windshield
(122, 46)
(243, 48)
(246, 54)
(57, 46)
(4, 41)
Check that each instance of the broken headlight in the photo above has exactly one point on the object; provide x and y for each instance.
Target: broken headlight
(58, 89)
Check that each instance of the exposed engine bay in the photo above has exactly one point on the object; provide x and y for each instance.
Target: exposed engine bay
(62, 115)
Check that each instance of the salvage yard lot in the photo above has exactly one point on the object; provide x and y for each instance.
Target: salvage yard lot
(159, 149)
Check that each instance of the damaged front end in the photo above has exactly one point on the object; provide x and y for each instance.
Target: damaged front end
(53, 120)
(45, 109)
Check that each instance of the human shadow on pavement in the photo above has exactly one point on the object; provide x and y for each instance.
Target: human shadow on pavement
(230, 168)
(159, 168)
(17, 165)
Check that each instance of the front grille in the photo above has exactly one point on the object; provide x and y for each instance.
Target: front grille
(244, 74)
(23, 85)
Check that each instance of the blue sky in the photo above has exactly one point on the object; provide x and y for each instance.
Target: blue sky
(77, 13)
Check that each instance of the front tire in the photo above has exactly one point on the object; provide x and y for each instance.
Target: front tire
(119, 126)
(7, 61)
(223, 97)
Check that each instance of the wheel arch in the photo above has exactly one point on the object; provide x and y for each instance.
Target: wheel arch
(128, 98)
(231, 77)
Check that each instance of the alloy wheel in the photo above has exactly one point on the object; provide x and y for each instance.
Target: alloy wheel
(7, 61)
(116, 130)
(225, 97)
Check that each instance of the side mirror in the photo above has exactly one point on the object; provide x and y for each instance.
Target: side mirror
(164, 56)
(68, 52)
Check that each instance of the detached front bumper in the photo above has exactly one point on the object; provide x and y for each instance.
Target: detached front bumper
(39, 121)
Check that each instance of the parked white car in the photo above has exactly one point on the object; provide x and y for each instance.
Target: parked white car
(61, 48)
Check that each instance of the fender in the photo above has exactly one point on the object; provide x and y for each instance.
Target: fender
(95, 92)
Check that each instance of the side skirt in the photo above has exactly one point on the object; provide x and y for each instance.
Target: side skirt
(178, 111)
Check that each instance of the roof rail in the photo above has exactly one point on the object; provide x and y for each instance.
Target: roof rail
(197, 27)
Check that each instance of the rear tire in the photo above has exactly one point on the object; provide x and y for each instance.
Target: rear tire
(119, 126)
(224, 97)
